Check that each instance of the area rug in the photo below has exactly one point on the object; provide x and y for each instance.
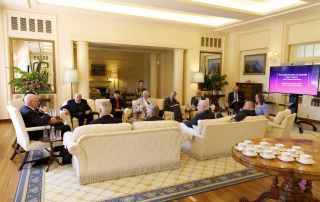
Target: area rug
(61, 184)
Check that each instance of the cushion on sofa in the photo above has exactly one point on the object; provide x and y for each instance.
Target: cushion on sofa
(281, 115)
(99, 128)
(202, 123)
(143, 125)
(252, 118)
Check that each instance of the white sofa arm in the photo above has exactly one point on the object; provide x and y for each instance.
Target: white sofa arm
(72, 147)
(65, 115)
(126, 114)
(274, 125)
(37, 128)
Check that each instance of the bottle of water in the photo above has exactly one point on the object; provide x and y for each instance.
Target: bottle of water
(52, 133)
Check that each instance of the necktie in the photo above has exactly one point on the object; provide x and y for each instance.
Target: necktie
(147, 101)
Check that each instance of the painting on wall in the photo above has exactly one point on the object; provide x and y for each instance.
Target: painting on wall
(214, 66)
(98, 70)
(255, 64)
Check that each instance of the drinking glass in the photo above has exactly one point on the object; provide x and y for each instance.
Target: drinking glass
(53, 112)
(58, 135)
(45, 133)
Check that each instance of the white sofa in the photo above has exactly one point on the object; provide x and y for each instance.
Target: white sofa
(94, 105)
(214, 138)
(281, 124)
(103, 152)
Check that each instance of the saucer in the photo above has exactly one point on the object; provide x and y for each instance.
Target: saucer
(249, 154)
(299, 152)
(285, 160)
(259, 150)
(239, 149)
(311, 161)
(276, 153)
(267, 157)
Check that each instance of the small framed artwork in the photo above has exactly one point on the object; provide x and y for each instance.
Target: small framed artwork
(214, 66)
(255, 64)
(98, 70)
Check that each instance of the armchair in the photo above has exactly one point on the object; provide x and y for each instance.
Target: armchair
(22, 133)
(281, 125)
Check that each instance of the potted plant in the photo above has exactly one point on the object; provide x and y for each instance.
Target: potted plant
(218, 81)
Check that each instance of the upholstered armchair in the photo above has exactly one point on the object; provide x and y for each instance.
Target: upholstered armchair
(94, 105)
(22, 133)
(281, 124)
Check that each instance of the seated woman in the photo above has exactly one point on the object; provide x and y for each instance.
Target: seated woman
(261, 107)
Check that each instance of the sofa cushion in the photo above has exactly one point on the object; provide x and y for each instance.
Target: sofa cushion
(252, 118)
(99, 128)
(143, 125)
(281, 115)
(202, 123)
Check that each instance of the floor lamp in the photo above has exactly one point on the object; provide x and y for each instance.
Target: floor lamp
(114, 75)
(71, 76)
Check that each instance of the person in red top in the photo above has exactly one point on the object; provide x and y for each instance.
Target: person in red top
(118, 105)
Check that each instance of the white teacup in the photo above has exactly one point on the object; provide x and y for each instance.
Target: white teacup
(286, 155)
(248, 142)
(264, 144)
(305, 157)
(291, 151)
(242, 145)
(250, 150)
(267, 152)
(296, 148)
(258, 147)
(280, 146)
(275, 150)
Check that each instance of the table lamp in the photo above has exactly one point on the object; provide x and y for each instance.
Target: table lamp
(71, 76)
(114, 75)
(198, 77)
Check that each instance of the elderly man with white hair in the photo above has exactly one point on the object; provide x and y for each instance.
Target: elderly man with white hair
(143, 103)
(105, 117)
(204, 112)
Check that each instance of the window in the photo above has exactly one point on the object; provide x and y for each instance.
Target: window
(307, 51)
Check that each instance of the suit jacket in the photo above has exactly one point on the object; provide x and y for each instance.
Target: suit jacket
(106, 119)
(33, 118)
(243, 114)
(231, 97)
(142, 104)
(154, 118)
(113, 101)
(207, 114)
(194, 100)
(168, 103)
(74, 108)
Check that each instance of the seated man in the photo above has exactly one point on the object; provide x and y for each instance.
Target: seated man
(171, 104)
(195, 99)
(236, 100)
(143, 103)
(152, 114)
(34, 116)
(118, 105)
(204, 112)
(247, 110)
(105, 109)
(79, 109)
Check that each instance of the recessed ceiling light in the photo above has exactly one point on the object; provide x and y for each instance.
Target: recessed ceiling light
(255, 6)
(142, 12)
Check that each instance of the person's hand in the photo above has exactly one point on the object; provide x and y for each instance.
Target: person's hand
(44, 109)
(53, 120)
(66, 112)
(87, 112)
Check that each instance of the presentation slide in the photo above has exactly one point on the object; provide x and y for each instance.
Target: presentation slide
(294, 79)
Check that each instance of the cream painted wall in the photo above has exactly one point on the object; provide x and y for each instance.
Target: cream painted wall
(165, 74)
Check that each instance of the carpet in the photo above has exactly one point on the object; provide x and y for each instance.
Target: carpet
(193, 176)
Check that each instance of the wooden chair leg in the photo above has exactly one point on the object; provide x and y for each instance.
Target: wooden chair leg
(14, 143)
(24, 160)
(15, 152)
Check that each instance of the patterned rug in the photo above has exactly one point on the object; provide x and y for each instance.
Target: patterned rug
(61, 184)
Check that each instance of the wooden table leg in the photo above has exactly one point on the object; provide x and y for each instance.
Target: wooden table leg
(272, 194)
(51, 156)
(308, 193)
(291, 191)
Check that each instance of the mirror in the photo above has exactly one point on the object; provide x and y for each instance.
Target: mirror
(210, 63)
(31, 55)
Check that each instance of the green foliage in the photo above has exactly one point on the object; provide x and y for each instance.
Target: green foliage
(213, 82)
(35, 81)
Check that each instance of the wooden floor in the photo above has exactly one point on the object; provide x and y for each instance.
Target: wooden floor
(9, 176)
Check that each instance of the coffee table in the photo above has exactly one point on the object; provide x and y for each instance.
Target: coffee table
(52, 156)
(292, 172)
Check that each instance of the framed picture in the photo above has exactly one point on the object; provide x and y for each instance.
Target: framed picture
(214, 66)
(255, 64)
(98, 70)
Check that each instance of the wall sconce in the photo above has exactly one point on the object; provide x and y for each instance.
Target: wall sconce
(273, 56)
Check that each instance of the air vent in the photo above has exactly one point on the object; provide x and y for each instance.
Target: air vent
(48, 27)
(40, 25)
(211, 42)
(32, 25)
(14, 23)
(23, 24)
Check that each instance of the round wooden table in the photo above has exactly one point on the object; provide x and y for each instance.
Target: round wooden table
(292, 172)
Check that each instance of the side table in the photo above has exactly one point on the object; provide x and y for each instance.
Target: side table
(52, 156)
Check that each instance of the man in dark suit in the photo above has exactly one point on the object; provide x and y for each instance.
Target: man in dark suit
(195, 99)
(34, 116)
(248, 110)
(204, 112)
(171, 104)
(105, 109)
(152, 114)
(79, 109)
(118, 105)
(236, 100)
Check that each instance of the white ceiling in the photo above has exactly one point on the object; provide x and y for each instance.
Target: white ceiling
(194, 8)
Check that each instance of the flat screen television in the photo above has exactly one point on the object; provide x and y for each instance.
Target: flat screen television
(295, 79)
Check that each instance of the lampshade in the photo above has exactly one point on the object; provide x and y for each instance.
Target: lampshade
(198, 77)
(71, 76)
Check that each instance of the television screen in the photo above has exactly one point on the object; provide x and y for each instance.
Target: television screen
(98, 70)
(299, 79)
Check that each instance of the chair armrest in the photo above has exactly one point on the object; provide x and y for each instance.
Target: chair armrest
(271, 118)
(126, 114)
(72, 147)
(37, 128)
(274, 125)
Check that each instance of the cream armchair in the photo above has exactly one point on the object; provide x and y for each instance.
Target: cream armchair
(22, 133)
(94, 105)
(281, 124)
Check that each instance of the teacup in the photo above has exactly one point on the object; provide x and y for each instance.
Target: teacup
(280, 146)
(291, 151)
(305, 157)
(264, 144)
(248, 142)
(258, 147)
(250, 150)
(242, 145)
(296, 148)
(286, 155)
(275, 150)
(267, 152)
